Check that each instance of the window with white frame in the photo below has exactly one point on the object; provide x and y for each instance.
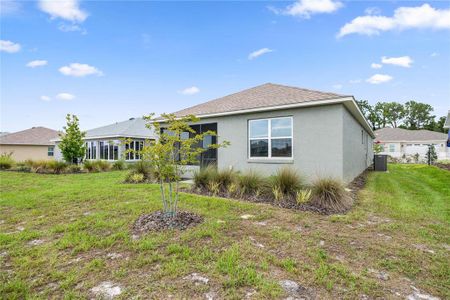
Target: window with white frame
(133, 150)
(270, 138)
(109, 150)
(50, 151)
(91, 150)
(391, 147)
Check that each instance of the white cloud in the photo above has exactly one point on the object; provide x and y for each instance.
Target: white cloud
(338, 86)
(71, 28)
(423, 16)
(306, 8)
(402, 61)
(65, 9)
(9, 7)
(190, 90)
(434, 54)
(259, 52)
(9, 46)
(65, 96)
(376, 66)
(379, 78)
(372, 11)
(45, 98)
(36, 63)
(80, 70)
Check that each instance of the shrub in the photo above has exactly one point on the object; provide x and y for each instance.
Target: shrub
(135, 178)
(250, 182)
(144, 168)
(37, 166)
(74, 169)
(23, 168)
(103, 165)
(224, 178)
(6, 162)
(96, 165)
(119, 165)
(55, 166)
(303, 196)
(287, 181)
(204, 176)
(329, 194)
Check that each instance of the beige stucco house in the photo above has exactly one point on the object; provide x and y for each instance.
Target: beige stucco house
(34, 143)
(399, 142)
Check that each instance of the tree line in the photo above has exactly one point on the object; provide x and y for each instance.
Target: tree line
(411, 115)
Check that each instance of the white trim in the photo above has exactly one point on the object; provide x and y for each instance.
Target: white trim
(105, 137)
(269, 138)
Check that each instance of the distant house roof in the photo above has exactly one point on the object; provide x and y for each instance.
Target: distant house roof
(134, 127)
(33, 136)
(266, 95)
(400, 134)
(447, 122)
(269, 97)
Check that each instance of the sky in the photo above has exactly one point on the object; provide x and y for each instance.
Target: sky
(108, 61)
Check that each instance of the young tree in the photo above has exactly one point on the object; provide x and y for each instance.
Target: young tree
(418, 115)
(72, 145)
(176, 146)
(431, 155)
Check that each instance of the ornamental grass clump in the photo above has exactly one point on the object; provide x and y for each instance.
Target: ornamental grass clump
(330, 195)
(250, 183)
(141, 172)
(55, 167)
(286, 181)
(6, 161)
(119, 165)
(204, 176)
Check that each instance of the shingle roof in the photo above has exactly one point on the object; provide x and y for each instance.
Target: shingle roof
(134, 127)
(32, 136)
(400, 134)
(266, 95)
(447, 122)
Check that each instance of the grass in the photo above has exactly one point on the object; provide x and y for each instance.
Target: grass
(400, 226)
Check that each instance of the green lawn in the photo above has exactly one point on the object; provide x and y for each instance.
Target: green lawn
(400, 227)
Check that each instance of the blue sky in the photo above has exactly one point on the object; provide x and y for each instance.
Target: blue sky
(107, 61)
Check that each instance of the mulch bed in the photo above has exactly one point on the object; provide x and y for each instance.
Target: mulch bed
(443, 166)
(159, 220)
(289, 202)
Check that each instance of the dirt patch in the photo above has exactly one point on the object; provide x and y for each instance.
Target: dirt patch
(159, 220)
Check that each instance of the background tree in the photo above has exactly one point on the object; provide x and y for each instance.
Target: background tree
(370, 113)
(418, 115)
(72, 144)
(395, 112)
(176, 146)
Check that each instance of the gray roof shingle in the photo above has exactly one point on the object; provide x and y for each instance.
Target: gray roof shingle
(400, 134)
(134, 127)
(33, 136)
(266, 95)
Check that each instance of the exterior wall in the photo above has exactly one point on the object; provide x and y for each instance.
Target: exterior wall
(24, 152)
(317, 142)
(410, 148)
(357, 147)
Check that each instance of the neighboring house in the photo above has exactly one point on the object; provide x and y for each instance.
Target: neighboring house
(108, 142)
(271, 126)
(34, 143)
(397, 142)
(447, 125)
